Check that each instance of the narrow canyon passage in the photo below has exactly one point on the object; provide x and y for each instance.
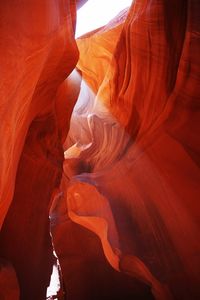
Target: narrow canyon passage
(100, 178)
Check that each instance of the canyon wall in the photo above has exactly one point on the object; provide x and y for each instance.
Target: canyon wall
(38, 51)
(132, 153)
(121, 189)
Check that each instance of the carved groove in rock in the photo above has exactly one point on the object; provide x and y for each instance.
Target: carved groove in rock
(123, 198)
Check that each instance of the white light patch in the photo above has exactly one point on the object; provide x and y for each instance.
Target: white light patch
(97, 13)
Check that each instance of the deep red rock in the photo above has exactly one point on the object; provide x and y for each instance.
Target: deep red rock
(123, 198)
(38, 52)
(147, 100)
(9, 288)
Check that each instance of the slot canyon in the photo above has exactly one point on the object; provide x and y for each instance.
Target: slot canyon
(100, 152)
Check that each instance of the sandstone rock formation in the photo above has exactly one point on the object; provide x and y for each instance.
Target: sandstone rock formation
(135, 138)
(9, 288)
(122, 187)
(38, 52)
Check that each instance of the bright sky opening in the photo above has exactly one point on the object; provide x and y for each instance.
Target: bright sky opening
(97, 13)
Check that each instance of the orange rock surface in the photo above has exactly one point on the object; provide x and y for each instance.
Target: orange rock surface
(123, 198)
(38, 52)
(134, 136)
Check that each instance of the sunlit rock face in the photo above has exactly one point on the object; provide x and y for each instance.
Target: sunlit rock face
(123, 198)
(131, 169)
(38, 52)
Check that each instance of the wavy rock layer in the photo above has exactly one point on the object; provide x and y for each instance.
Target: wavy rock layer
(38, 52)
(124, 204)
(132, 152)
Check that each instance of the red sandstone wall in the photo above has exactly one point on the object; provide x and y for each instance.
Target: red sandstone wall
(125, 218)
(134, 145)
(38, 52)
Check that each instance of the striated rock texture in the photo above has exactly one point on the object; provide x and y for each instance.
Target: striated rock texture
(123, 198)
(38, 52)
(131, 169)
